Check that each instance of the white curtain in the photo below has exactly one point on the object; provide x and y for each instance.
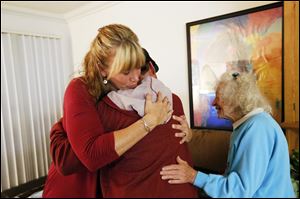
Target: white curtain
(31, 101)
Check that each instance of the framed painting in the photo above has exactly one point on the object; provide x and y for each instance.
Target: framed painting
(246, 41)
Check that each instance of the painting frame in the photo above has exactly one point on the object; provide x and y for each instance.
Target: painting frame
(249, 40)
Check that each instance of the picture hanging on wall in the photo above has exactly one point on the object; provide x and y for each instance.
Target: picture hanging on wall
(246, 41)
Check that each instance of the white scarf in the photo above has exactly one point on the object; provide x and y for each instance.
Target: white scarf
(134, 99)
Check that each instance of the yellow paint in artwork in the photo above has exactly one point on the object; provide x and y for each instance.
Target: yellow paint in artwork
(267, 65)
(193, 33)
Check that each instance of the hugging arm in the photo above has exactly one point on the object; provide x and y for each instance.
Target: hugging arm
(62, 154)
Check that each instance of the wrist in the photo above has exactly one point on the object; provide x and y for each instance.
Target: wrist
(146, 126)
(194, 174)
(150, 121)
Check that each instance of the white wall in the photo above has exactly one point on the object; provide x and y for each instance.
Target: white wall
(161, 28)
(32, 24)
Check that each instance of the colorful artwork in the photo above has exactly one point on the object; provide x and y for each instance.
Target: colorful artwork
(245, 41)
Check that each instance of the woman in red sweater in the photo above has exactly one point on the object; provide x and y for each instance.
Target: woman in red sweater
(136, 173)
(113, 61)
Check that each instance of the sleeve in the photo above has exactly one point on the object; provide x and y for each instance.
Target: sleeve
(93, 147)
(62, 154)
(247, 169)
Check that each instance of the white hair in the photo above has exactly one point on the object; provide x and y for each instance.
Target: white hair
(240, 92)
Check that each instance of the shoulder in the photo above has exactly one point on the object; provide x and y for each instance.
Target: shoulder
(177, 105)
(261, 128)
(77, 83)
(77, 90)
(263, 121)
(176, 98)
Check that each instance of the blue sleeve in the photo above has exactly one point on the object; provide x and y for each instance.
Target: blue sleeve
(200, 179)
(247, 168)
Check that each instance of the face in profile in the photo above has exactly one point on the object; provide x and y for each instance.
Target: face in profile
(223, 108)
(217, 103)
(126, 80)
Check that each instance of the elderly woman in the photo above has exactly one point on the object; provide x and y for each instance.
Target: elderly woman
(258, 158)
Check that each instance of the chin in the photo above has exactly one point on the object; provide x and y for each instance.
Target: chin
(132, 86)
(221, 116)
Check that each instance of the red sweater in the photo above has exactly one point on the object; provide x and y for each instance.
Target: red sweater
(134, 174)
(93, 146)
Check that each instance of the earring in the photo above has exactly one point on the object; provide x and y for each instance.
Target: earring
(105, 81)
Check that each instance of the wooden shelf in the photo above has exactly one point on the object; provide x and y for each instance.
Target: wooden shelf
(290, 125)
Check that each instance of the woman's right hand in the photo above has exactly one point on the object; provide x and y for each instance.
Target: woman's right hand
(178, 173)
(158, 112)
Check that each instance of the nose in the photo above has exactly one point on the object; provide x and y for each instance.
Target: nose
(135, 75)
(214, 103)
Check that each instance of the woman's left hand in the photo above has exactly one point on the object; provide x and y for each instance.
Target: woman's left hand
(186, 133)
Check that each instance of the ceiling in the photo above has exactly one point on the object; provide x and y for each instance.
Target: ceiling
(59, 9)
(55, 7)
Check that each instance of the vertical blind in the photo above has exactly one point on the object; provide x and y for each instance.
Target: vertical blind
(31, 101)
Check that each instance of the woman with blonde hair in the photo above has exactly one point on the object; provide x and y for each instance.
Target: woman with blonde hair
(113, 62)
(258, 159)
(99, 144)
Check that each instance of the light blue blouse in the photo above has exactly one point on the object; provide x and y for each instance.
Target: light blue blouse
(258, 163)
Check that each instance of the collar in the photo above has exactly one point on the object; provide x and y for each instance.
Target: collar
(247, 116)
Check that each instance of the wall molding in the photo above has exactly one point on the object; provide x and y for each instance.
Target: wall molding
(89, 9)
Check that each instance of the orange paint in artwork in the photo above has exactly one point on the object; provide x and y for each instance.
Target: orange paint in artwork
(267, 65)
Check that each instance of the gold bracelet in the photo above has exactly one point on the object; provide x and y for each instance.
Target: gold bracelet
(146, 126)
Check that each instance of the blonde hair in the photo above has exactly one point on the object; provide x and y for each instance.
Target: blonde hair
(240, 92)
(116, 41)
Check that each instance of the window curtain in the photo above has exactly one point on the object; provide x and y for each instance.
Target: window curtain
(32, 86)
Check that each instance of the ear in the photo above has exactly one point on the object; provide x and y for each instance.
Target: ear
(103, 72)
